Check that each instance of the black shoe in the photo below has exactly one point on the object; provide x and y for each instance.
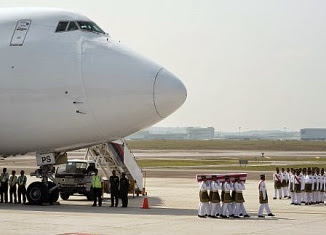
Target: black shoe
(201, 216)
(261, 216)
(271, 214)
(246, 216)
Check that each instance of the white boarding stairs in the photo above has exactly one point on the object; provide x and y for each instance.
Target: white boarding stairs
(117, 156)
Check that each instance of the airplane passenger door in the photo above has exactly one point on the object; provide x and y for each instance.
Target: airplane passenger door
(20, 32)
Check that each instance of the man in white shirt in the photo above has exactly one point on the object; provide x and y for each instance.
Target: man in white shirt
(277, 177)
(227, 200)
(284, 184)
(263, 198)
(203, 209)
(13, 186)
(239, 186)
(215, 206)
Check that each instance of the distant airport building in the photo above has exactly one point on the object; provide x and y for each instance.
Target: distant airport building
(198, 133)
(168, 133)
(313, 134)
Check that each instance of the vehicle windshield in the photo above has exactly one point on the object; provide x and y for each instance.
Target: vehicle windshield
(89, 26)
(72, 168)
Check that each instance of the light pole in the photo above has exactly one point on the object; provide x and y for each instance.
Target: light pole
(239, 131)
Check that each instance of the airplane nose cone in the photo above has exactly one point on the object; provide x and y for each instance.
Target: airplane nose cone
(169, 93)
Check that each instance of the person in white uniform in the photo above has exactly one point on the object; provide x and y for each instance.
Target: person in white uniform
(277, 178)
(284, 184)
(263, 198)
(298, 187)
(227, 200)
(203, 209)
(215, 206)
(239, 186)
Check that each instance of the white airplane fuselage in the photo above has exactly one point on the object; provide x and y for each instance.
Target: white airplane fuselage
(67, 90)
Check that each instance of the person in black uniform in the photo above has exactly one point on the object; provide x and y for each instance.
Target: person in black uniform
(4, 185)
(114, 188)
(124, 188)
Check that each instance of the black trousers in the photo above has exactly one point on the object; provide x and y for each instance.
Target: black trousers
(13, 192)
(4, 192)
(21, 193)
(97, 192)
(124, 198)
(114, 197)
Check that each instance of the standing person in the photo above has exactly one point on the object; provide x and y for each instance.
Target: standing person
(292, 186)
(314, 185)
(22, 179)
(263, 198)
(284, 184)
(322, 186)
(288, 182)
(308, 187)
(13, 186)
(227, 200)
(214, 196)
(277, 177)
(4, 185)
(124, 189)
(203, 198)
(239, 200)
(298, 187)
(97, 188)
(114, 188)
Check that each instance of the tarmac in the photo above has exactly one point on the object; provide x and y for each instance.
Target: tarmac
(173, 210)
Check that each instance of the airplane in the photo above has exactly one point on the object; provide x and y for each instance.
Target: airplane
(66, 84)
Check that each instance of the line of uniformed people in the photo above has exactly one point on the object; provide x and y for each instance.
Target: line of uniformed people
(10, 183)
(307, 186)
(229, 204)
(118, 187)
(302, 185)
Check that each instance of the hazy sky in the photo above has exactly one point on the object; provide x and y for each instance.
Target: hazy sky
(255, 64)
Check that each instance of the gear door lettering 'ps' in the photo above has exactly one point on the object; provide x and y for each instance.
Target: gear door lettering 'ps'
(20, 32)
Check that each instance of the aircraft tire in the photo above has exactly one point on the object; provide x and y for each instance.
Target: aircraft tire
(64, 196)
(37, 193)
(54, 195)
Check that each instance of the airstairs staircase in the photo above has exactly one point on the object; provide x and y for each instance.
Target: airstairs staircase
(117, 156)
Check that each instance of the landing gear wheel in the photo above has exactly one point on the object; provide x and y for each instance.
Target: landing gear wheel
(64, 196)
(37, 193)
(54, 195)
(90, 196)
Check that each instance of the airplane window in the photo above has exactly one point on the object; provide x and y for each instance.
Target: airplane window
(90, 26)
(61, 26)
(72, 26)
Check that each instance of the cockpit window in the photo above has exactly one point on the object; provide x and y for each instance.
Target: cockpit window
(61, 26)
(90, 26)
(72, 26)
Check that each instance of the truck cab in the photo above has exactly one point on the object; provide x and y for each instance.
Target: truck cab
(74, 177)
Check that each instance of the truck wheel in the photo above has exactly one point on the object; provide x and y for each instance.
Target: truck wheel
(90, 196)
(54, 195)
(64, 196)
(37, 193)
